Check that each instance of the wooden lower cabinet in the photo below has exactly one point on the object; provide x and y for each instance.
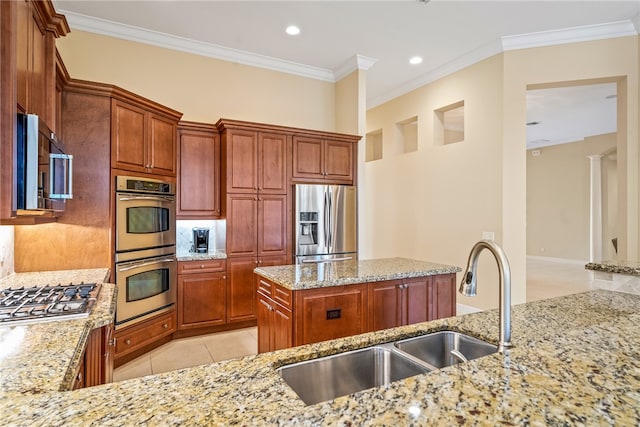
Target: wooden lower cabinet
(201, 294)
(399, 302)
(328, 313)
(289, 318)
(241, 285)
(96, 364)
(443, 297)
(143, 335)
(275, 322)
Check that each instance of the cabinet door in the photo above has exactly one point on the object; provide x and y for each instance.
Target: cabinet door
(241, 161)
(385, 305)
(307, 157)
(328, 313)
(242, 225)
(108, 351)
(282, 330)
(241, 289)
(272, 163)
(443, 296)
(128, 137)
(416, 299)
(23, 52)
(272, 225)
(201, 300)
(199, 176)
(162, 146)
(338, 161)
(264, 315)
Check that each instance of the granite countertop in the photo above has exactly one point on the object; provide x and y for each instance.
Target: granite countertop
(43, 357)
(576, 361)
(308, 276)
(631, 268)
(192, 256)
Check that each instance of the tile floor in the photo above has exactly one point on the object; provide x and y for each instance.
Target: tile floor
(549, 279)
(545, 279)
(193, 351)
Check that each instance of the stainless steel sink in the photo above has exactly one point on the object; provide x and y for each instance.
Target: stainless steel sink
(329, 377)
(326, 378)
(446, 348)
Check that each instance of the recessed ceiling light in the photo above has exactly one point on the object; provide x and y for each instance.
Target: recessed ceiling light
(415, 60)
(292, 30)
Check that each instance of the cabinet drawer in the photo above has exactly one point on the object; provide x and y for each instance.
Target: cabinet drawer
(276, 292)
(203, 266)
(282, 295)
(137, 336)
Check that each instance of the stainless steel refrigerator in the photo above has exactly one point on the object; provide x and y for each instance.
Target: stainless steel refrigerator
(326, 218)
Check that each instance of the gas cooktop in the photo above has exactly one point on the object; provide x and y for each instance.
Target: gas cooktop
(45, 303)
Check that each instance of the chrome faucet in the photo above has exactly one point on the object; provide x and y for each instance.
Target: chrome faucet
(468, 286)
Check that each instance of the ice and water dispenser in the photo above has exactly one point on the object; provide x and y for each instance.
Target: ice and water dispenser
(308, 232)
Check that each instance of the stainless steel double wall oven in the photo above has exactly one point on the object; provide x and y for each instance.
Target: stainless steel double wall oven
(145, 261)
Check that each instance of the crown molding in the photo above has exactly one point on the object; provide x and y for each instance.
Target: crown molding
(451, 67)
(356, 62)
(127, 32)
(569, 35)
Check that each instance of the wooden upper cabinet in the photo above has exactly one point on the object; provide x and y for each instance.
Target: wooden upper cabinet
(198, 171)
(37, 27)
(143, 140)
(128, 145)
(272, 163)
(322, 159)
(255, 162)
(241, 148)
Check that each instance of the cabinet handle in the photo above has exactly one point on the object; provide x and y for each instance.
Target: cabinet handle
(201, 265)
(224, 277)
(165, 325)
(127, 341)
(112, 342)
(256, 261)
(260, 261)
(79, 377)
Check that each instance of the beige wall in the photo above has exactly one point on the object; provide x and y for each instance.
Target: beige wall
(203, 89)
(435, 203)
(558, 198)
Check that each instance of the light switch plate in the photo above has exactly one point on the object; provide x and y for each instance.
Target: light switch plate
(488, 235)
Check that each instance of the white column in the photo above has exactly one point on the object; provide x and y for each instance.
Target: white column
(595, 217)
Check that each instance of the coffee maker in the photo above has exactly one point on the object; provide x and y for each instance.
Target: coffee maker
(200, 240)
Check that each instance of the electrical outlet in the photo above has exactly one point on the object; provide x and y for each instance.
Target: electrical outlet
(488, 235)
(535, 153)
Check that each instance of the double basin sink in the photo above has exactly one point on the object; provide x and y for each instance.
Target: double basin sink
(326, 378)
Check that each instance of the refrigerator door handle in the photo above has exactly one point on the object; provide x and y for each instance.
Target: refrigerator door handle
(317, 261)
(330, 229)
(325, 219)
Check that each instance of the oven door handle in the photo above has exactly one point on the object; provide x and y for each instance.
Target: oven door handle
(159, 199)
(131, 266)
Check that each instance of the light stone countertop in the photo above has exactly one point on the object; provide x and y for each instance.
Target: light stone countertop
(192, 256)
(631, 268)
(576, 361)
(308, 276)
(43, 357)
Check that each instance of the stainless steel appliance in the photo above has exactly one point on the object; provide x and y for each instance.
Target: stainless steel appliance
(200, 240)
(145, 213)
(325, 223)
(145, 248)
(146, 287)
(43, 171)
(43, 303)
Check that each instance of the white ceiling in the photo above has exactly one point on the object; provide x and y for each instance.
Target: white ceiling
(338, 36)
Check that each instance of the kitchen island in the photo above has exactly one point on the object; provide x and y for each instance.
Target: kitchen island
(306, 303)
(576, 360)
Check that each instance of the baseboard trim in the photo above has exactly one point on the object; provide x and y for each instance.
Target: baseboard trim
(466, 309)
(558, 260)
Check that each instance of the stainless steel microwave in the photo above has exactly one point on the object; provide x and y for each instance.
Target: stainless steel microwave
(43, 170)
